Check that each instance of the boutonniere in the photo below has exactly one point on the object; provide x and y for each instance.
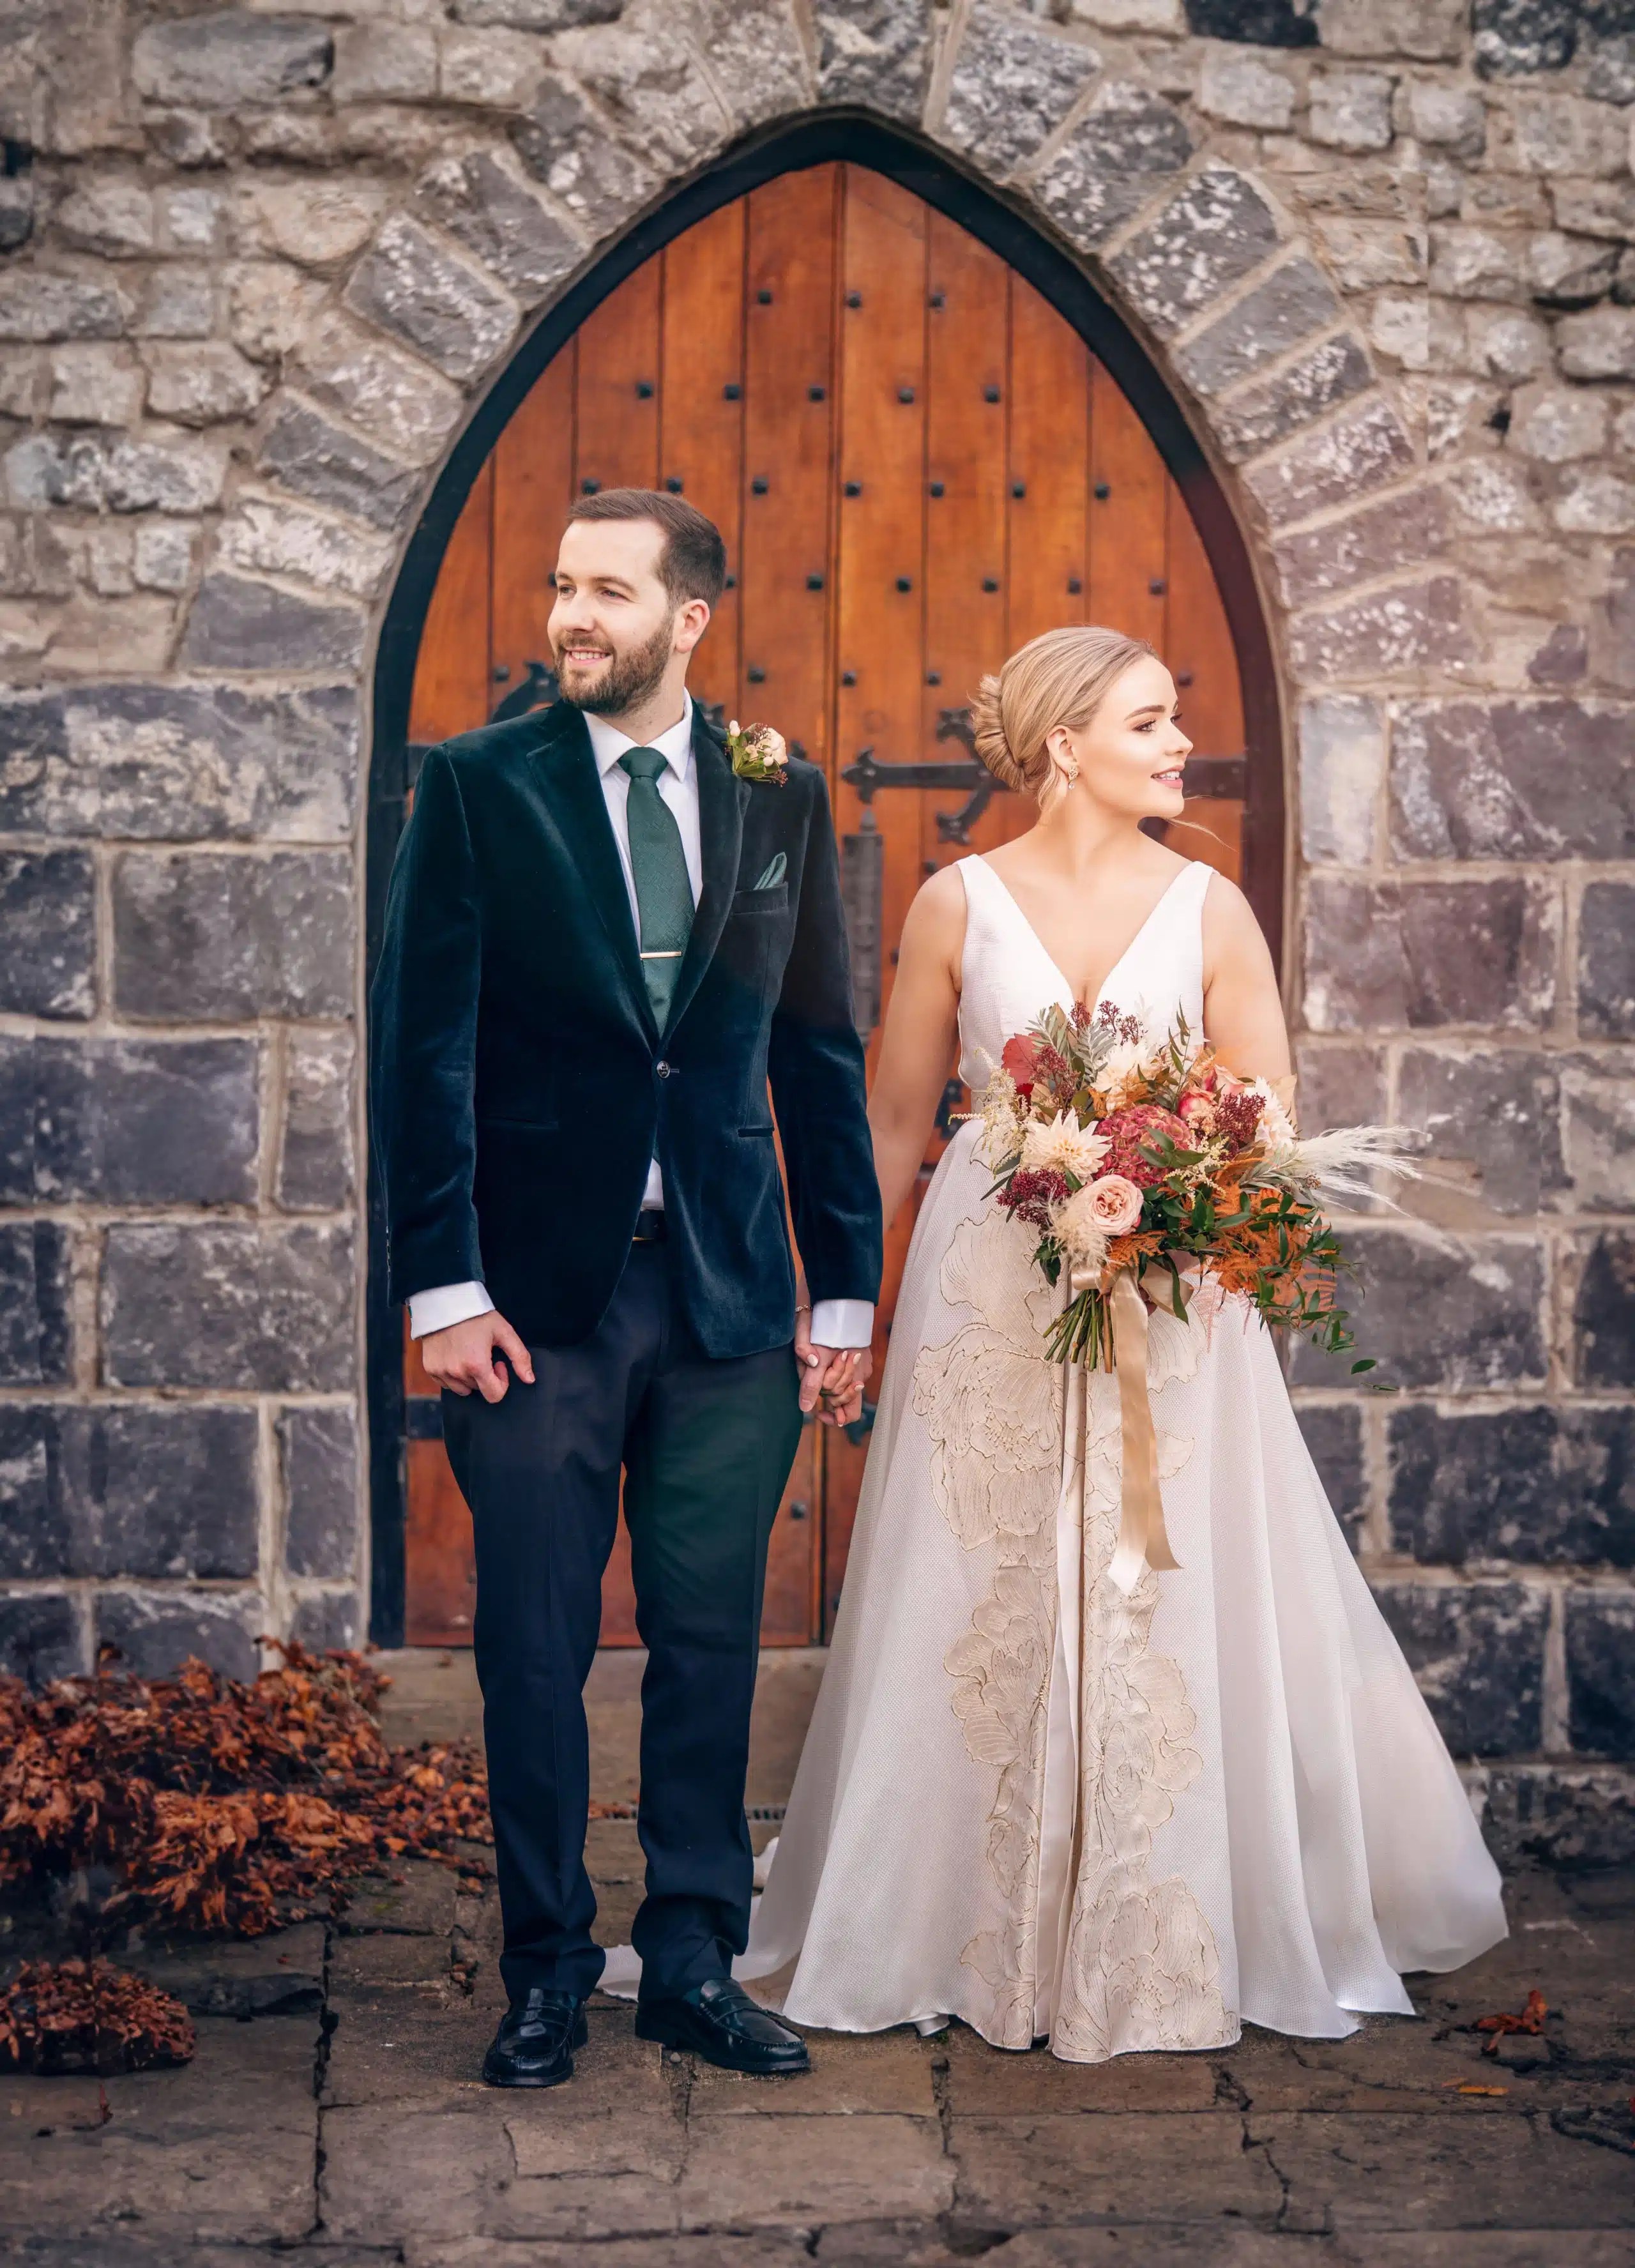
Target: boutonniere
(758, 753)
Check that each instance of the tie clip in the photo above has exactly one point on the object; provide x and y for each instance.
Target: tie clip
(674, 955)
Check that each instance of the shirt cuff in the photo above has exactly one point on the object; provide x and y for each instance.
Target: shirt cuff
(842, 1323)
(444, 1304)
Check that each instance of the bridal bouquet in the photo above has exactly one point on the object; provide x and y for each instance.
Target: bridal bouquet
(1141, 1161)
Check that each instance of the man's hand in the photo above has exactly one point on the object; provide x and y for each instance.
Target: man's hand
(832, 1378)
(463, 1356)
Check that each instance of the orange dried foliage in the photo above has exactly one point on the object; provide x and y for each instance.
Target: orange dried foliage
(1531, 2019)
(89, 2016)
(218, 1805)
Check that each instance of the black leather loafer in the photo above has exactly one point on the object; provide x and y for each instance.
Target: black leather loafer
(534, 2045)
(720, 2021)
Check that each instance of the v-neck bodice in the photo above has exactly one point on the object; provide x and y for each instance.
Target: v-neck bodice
(1008, 979)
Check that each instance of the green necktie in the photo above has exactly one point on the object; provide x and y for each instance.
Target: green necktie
(663, 893)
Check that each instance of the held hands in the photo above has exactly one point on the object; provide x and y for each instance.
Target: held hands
(463, 1357)
(832, 1378)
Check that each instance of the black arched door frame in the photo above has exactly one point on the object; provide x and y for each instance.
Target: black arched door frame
(1005, 229)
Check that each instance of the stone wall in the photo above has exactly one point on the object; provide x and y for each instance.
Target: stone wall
(258, 263)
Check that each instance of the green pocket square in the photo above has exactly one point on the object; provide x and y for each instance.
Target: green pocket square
(775, 872)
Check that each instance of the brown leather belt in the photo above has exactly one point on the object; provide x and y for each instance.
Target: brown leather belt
(651, 1226)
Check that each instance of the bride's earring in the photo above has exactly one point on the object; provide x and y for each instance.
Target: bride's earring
(1069, 771)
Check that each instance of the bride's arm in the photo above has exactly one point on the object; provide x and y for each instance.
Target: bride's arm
(917, 1050)
(1242, 1014)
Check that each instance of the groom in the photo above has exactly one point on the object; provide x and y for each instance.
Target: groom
(601, 943)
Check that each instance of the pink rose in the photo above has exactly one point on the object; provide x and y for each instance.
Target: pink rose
(1115, 1204)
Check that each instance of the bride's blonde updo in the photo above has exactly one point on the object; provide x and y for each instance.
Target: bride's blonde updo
(1060, 678)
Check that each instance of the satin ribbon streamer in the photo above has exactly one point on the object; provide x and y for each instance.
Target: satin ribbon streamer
(1143, 1541)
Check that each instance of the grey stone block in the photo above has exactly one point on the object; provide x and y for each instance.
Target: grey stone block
(1497, 1110)
(1014, 80)
(1558, 1817)
(268, 1310)
(35, 306)
(757, 57)
(1510, 779)
(564, 144)
(1606, 971)
(236, 623)
(89, 472)
(168, 1491)
(1598, 1134)
(1601, 1671)
(1292, 302)
(1257, 23)
(1390, 956)
(318, 1451)
(1341, 740)
(128, 1121)
(1333, 1432)
(1517, 37)
(477, 202)
(315, 1153)
(329, 1619)
(1269, 410)
(207, 935)
(39, 1637)
(1412, 627)
(220, 61)
(1127, 143)
(1216, 229)
(1603, 1313)
(1340, 1084)
(177, 762)
(417, 292)
(1449, 1314)
(1398, 531)
(1428, 31)
(48, 915)
(1536, 1484)
(1478, 1653)
(156, 1631)
(875, 52)
(36, 1259)
(1611, 74)
(1599, 344)
(305, 452)
(1349, 110)
(1362, 448)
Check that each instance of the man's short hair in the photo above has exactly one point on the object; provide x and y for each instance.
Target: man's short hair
(693, 560)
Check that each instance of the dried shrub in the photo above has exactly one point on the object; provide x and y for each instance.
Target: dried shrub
(64, 2016)
(216, 1805)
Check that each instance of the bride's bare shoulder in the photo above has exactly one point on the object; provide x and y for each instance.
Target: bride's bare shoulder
(1231, 931)
(935, 922)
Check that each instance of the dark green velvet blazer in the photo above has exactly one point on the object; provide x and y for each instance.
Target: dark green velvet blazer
(519, 1084)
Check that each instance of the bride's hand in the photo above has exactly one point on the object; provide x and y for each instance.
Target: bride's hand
(831, 1378)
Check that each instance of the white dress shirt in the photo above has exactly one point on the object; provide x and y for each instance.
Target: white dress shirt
(834, 1322)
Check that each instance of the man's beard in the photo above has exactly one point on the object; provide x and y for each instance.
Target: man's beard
(630, 678)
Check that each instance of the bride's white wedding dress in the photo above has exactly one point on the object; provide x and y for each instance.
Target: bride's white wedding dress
(1037, 1804)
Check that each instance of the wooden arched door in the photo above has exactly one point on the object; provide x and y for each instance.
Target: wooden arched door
(916, 464)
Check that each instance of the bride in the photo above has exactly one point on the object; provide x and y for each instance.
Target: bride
(1027, 1799)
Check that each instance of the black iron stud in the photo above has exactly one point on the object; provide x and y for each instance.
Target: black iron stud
(814, 582)
(854, 488)
(854, 299)
(904, 584)
(990, 394)
(937, 487)
(758, 486)
(589, 487)
(815, 393)
(848, 676)
(933, 677)
(763, 298)
(938, 299)
(905, 394)
(501, 671)
(1158, 587)
(989, 582)
(1018, 488)
(730, 391)
(1183, 677)
(673, 484)
(1075, 584)
(731, 582)
(643, 389)
(755, 674)
(1102, 491)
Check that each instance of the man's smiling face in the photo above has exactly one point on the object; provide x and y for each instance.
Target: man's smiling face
(615, 627)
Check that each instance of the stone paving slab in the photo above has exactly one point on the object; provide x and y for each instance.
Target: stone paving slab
(1125, 2166)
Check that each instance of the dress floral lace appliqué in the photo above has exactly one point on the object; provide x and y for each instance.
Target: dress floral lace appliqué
(1142, 1968)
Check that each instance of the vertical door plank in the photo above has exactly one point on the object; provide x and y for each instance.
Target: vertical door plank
(879, 626)
(787, 585)
(1127, 527)
(966, 412)
(617, 412)
(700, 422)
(1050, 461)
(439, 1567)
(452, 681)
(532, 487)
(1198, 645)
